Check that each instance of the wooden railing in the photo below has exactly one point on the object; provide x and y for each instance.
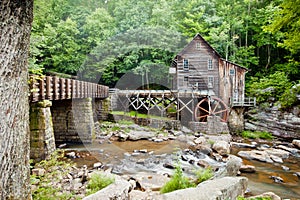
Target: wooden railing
(55, 88)
(244, 102)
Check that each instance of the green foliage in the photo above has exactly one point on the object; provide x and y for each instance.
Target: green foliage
(289, 97)
(256, 135)
(143, 36)
(273, 85)
(178, 181)
(125, 122)
(44, 189)
(98, 181)
(203, 174)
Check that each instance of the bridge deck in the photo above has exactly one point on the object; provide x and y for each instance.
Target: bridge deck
(165, 93)
(55, 88)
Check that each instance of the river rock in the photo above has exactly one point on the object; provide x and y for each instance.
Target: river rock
(291, 150)
(277, 179)
(223, 188)
(200, 140)
(271, 195)
(296, 143)
(222, 147)
(297, 174)
(150, 181)
(97, 165)
(118, 190)
(278, 152)
(232, 167)
(276, 159)
(247, 169)
(242, 145)
(38, 172)
(138, 135)
(256, 155)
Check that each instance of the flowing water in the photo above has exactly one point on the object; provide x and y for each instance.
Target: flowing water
(116, 154)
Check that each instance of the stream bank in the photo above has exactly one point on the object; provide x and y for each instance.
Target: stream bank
(130, 150)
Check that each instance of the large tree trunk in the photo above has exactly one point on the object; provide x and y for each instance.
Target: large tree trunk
(15, 25)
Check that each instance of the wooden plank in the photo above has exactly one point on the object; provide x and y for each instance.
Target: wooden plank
(55, 88)
(42, 89)
(48, 87)
(62, 88)
(68, 89)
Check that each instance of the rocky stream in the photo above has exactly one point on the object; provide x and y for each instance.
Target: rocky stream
(146, 158)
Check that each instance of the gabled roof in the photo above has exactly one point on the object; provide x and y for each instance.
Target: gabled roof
(235, 64)
(198, 35)
(212, 49)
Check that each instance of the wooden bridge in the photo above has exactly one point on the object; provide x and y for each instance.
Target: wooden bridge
(55, 88)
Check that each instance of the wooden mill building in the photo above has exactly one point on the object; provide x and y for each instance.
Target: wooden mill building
(199, 67)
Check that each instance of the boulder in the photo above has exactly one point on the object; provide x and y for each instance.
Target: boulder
(138, 135)
(247, 169)
(221, 189)
(271, 195)
(232, 168)
(118, 190)
(150, 181)
(222, 147)
(242, 145)
(276, 159)
(278, 152)
(256, 155)
(296, 143)
(291, 150)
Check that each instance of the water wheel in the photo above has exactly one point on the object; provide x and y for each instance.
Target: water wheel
(211, 106)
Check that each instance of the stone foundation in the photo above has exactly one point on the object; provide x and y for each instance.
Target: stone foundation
(42, 142)
(213, 126)
(236, 120)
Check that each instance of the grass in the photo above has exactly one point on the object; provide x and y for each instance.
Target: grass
(55, 168)
(203, 174)
(98, 181)
(178, 181)
(137, 114)
(256, 135)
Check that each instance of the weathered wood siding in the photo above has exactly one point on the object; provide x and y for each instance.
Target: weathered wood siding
(232, 81)
(198, 54)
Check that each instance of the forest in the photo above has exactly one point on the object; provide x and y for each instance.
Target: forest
(101, 40)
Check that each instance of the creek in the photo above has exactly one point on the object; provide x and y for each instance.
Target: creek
(131, 157)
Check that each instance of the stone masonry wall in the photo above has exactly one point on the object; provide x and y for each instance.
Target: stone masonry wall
(73, 120)
(213, 126)
(42, 142)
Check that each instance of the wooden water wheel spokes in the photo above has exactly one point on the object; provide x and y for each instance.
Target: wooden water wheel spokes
(211, 106)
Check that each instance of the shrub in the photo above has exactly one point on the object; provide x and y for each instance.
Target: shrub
(289, 97)
(273, 85)
(203, 174)
(98, 181)
(178, 181)
(257, 134)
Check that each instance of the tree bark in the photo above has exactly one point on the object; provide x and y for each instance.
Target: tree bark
(15, 25)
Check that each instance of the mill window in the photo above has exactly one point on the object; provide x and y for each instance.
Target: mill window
(231, 72)
(210, 83)
(209, 64)
(186, 65)
(198, 45)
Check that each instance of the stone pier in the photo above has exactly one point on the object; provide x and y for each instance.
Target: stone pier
(42, 142)
(236, 121)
